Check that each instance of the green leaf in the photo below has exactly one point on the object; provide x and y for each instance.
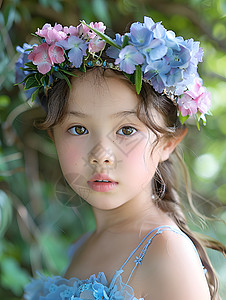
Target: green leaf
(68, 73)
(30, 83)
(183, 119)
(42, 80)
(83, 68)
(31, 66)
(129, 76)
(28, 76)
(47, 77)
(104, 37)
(38, 78)
(61, 75)
(34, 95)
(125, 41)
(138, 79)
(27, 69)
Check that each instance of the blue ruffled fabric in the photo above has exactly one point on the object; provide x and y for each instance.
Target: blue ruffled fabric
(96, 287)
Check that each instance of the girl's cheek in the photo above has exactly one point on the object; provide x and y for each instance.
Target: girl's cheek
(69, 154)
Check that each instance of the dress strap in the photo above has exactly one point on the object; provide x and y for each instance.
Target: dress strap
(157, 230)
(76, 245)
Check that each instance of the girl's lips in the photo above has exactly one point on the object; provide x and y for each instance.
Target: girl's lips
(101, 176)
(102, 186)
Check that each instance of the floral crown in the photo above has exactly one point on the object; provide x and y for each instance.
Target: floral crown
(147, 53)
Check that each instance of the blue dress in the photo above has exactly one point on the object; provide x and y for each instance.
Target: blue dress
(94, 287)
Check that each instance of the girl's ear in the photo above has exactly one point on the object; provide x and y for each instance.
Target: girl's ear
(171, 144)
(50, 133)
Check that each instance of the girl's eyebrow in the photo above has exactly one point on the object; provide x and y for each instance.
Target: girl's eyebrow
(123, 113)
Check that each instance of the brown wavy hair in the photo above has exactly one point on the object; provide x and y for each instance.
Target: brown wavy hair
(165, 181)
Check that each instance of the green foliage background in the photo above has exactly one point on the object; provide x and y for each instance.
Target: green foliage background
(36, 224)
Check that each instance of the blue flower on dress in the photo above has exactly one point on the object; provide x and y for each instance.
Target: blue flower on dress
(77, 47)
(128, 58)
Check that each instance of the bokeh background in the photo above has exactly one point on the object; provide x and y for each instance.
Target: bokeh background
(37, 224)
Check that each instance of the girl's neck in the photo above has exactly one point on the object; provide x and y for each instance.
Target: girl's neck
(130, 218)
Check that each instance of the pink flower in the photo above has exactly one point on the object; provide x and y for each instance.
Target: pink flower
(97, 25)
(40, 57)
(96, 45)
(83, 30)
(196, 98)
(71, 30)
(52, 34)
(56, 54)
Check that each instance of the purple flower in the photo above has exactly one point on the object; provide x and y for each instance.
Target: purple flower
(129, 57)
(77, 48)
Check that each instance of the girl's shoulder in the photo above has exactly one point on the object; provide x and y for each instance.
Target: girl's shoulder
(173, 263)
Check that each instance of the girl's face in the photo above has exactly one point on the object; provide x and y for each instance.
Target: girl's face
(102, 134)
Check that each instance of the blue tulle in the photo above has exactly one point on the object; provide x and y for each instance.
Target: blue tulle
(96, 287)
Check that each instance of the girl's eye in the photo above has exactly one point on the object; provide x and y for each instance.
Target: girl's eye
(127, 130)
(77, 130)
(80, 130)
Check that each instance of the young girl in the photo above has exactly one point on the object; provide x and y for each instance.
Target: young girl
(115, 111)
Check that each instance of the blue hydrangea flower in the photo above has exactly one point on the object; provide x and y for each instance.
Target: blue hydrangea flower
(159, 31)
(155, 50)
(140, 36)
(156, 71)
(77, 47)
(148, 22)
(112, 51)
(174, 76)
(173, 41)
(178, 58)
(22, 60)
(128, 58)
(195, 52)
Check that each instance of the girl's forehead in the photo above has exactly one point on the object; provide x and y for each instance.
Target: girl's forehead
(96, 90)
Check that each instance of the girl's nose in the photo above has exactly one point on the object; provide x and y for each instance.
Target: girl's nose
(101, 155)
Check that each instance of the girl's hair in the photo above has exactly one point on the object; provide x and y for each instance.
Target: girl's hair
(165, 181)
